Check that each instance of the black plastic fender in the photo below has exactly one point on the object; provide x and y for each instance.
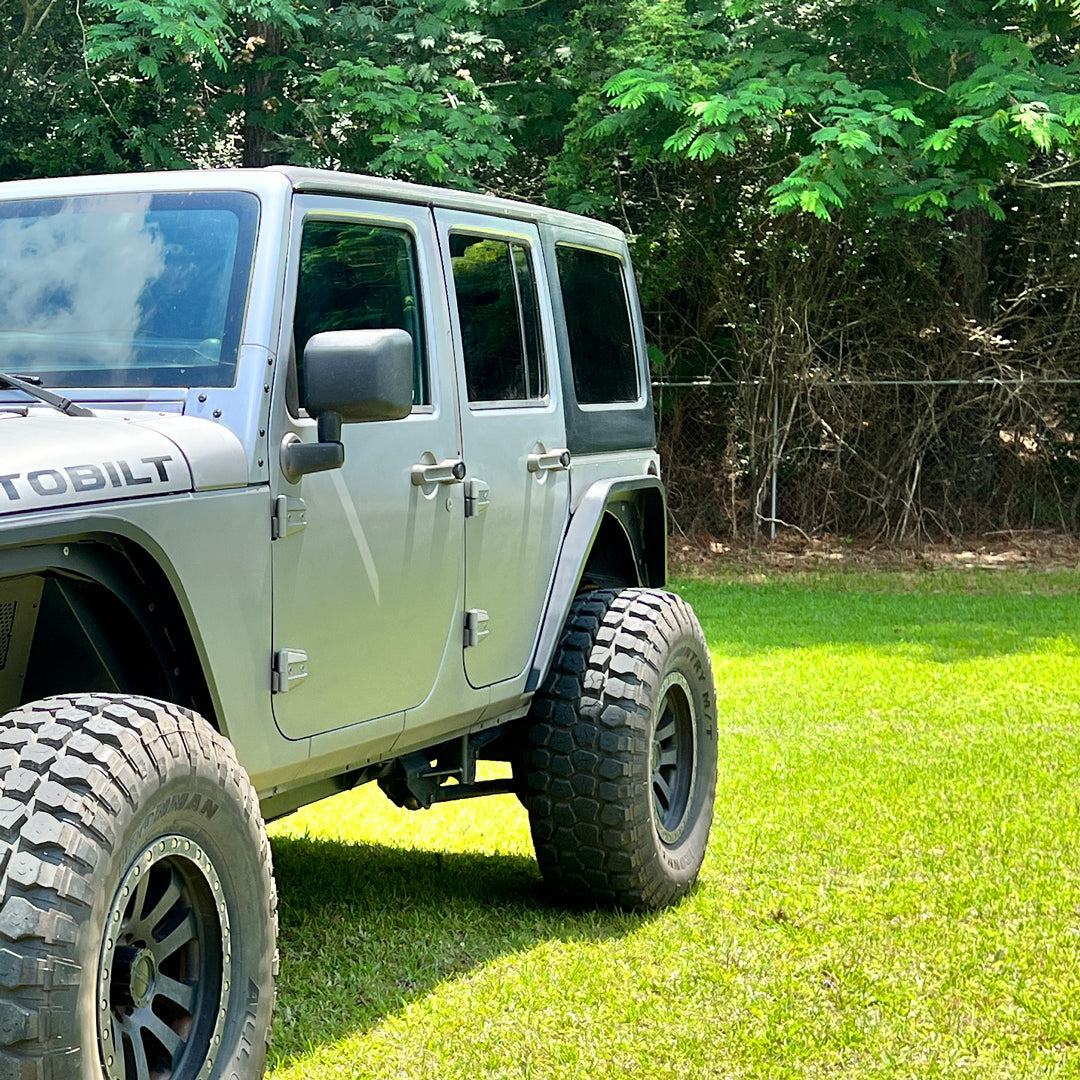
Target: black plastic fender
(650, 553)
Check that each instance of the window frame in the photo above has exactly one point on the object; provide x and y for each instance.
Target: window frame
(357, 217)
(636, 343)
(544, 360)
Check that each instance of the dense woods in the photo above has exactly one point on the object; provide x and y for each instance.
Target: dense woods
(857, 225)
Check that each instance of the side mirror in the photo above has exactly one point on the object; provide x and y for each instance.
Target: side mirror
(359, 374)
(350, 376)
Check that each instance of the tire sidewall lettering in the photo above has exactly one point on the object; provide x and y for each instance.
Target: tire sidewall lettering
(688, 655)
(191, 806)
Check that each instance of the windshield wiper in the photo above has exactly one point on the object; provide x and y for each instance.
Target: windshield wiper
(55, 400)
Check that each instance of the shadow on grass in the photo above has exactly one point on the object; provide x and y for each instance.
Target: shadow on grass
(744, 619)
(367, 928)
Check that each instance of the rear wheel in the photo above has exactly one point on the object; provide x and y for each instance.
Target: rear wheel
(622, 758)
(138, 915)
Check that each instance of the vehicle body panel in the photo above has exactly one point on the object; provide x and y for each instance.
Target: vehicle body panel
(371, 576)
(370, 588)
(510, 546)
(52, 460)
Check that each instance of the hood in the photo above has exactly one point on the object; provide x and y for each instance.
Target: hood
(49, 460)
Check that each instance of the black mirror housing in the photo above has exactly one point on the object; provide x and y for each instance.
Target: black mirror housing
(361, 375)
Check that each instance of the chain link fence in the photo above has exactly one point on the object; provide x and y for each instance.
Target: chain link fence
(897, 458)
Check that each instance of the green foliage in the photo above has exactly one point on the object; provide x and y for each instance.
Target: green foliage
(121, 84)
(909, 107)
(905, 105)
(391, 90)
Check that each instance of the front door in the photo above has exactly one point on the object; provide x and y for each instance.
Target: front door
(369, 589)
(513, 437)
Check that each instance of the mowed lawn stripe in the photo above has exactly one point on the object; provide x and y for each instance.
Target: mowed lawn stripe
(892, 887)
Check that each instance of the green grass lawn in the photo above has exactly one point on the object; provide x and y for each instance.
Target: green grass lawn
(892, 887)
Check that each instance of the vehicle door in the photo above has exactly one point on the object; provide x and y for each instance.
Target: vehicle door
(367, 569)
(513, 436)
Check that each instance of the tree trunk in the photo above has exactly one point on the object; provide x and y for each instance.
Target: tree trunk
(258, 143)
(966, 270)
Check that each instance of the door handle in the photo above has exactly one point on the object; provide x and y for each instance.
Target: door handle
(552, 461)
(450, 471)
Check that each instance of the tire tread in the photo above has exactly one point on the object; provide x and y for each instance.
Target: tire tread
(589, 740)
(68, 766)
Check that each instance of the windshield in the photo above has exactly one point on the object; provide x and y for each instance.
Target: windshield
(125, 290)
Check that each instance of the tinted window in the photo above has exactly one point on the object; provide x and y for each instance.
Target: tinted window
(497, 309)
(125, 290)
(598, 325)
(360, 277)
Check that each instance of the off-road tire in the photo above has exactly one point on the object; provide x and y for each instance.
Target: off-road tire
(137, 900)
(623, 745)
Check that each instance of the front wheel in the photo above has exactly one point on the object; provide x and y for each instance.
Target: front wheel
(138, 915)
(622, 757)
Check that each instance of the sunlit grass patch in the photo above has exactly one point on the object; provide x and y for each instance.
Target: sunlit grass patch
(892, 887)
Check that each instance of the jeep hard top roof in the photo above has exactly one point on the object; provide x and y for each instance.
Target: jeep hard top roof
(300, 180)
(373, 187)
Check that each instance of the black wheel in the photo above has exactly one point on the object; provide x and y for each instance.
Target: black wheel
(138, 916)
(623, 744)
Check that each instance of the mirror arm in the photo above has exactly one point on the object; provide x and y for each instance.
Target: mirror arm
(329, 427)
(299, 458)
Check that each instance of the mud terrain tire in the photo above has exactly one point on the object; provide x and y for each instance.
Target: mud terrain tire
(622, 757)
(138, 916)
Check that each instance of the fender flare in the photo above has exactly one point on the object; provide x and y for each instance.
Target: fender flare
(96, 549)
(577, 543)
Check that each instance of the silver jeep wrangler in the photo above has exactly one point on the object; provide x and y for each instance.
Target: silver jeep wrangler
(306, 480)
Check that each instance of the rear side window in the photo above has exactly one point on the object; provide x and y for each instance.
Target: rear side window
(500, 328)
(360, 277)
(598, 325)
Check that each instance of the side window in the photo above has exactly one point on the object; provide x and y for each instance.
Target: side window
(360, 277)
(598, 326)
(500, 326)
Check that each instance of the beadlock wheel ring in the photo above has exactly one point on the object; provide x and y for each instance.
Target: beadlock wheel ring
(165, 967)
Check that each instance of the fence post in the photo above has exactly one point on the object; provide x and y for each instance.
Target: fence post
(775, 453)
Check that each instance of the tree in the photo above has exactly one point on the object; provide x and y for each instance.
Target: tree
(120, 84)
(909, 106)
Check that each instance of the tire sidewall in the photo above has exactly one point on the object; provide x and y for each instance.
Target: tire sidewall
(593, 724)
(686, 656)
(203, 801)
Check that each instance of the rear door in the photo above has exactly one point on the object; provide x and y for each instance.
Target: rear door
(513, 436)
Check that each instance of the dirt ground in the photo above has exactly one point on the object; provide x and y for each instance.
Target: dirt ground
(792, 550)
